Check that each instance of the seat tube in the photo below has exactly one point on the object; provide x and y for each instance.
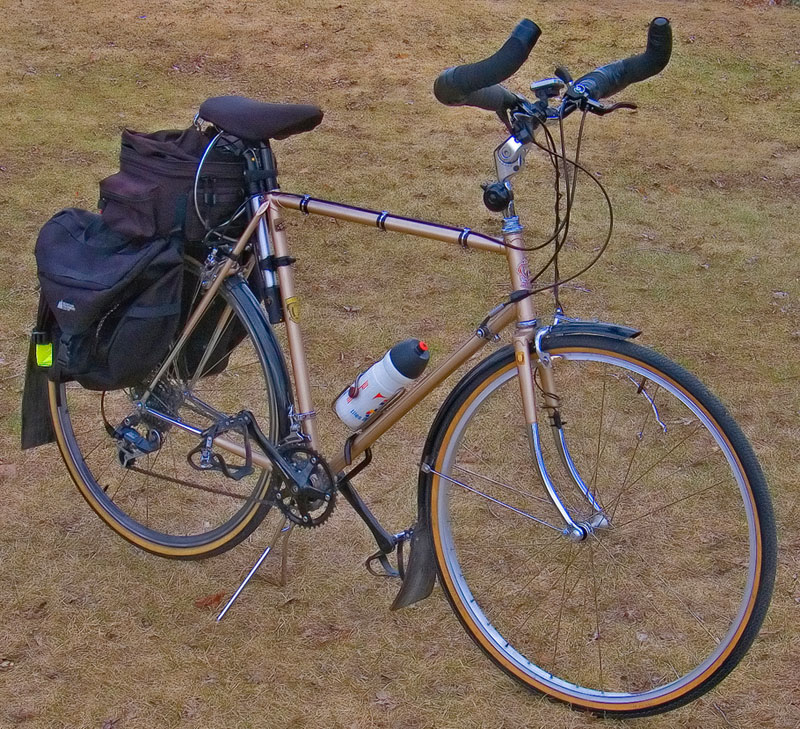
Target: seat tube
(520, 280)
(261, 166)
(291, 312)
(263, 242)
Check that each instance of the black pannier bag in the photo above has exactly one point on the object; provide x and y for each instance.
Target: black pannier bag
(116, 302)
(153, 193)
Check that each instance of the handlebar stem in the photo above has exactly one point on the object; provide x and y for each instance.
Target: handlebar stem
(509, 158)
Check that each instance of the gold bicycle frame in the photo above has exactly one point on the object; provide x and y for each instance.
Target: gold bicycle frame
(272, 207)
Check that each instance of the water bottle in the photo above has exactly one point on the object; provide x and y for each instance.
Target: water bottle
(399, 367)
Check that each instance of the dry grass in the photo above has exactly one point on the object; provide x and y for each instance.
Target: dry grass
(705, 182)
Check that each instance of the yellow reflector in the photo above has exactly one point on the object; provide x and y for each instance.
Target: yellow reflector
(44, 355)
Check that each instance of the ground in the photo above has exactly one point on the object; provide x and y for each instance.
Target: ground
(704, 178)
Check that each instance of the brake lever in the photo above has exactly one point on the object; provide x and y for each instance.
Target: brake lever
(563, 73)
(582, 101)
(503, 116)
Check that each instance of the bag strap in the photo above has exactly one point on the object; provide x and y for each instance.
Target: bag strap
(37, 427)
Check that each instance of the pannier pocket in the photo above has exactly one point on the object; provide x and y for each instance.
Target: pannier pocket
(127, 345)
(165, 166)
(132, 350)
(115, 302)
(129, 205)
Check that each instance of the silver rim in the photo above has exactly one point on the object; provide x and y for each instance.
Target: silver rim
(485, 612)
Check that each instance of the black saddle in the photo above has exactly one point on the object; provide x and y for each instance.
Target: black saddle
(257, 121)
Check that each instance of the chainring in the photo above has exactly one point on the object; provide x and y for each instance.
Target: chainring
(312, 504)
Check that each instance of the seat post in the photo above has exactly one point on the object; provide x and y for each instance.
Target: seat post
(262, 170)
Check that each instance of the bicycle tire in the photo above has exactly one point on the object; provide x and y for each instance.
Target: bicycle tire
(670, 604)
(160, 503)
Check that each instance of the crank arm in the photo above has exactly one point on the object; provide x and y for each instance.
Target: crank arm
(272, 458)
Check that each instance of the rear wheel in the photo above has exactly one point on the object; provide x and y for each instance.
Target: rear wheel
(663, 597)
(146, 490)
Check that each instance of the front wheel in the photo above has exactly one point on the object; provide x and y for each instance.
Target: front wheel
(667, 591)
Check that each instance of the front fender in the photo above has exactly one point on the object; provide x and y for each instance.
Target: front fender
(565, 327)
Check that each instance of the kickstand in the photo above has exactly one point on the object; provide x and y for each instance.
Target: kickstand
(285, 528)
(285, 553)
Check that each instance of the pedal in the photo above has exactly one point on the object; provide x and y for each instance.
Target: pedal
(382, 558)
(211, 461)
(387, 570)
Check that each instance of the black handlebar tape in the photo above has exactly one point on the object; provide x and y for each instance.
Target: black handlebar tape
(612, 78)
(455, 85)
(492, 98)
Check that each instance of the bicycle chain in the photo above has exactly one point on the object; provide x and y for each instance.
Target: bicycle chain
(310, 505)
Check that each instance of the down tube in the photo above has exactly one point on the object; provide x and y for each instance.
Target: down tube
(421, 389)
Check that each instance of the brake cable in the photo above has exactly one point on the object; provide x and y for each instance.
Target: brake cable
(516, 296)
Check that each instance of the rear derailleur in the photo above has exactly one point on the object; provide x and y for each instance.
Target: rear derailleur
(131, 444)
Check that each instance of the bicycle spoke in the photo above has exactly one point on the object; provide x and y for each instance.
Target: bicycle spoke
(616, 501)
(599, 436)
(573, 553)
(119, 484)
(599, 543)
(563, 547)
(664, 457)
(597, 634)
(635, 451)
(171, 447)
(669, 589)
(531, 557)
(92, 449)
(639, 517)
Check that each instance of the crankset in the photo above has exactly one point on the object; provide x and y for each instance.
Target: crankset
(308, 497)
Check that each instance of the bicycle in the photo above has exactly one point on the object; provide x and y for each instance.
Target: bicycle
(633, 582)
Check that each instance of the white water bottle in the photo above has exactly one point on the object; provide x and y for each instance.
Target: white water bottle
(399, 367)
